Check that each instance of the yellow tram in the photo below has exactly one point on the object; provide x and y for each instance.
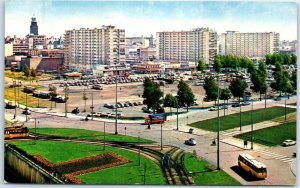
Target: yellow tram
(16, 132)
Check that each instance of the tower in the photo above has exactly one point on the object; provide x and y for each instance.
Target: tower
(34, 27)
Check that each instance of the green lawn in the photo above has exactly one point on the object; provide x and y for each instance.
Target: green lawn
(233, 120)
(203, 176)
(272, 136)
(130, 173)
(88, 134)
(9, 94)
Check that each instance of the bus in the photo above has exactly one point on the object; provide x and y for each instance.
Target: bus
(251, 165)
(16, 132)
(156, 118)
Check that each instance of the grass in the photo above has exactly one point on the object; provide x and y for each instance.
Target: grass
(233, 120)
(204, 175)
(20, 76)
(88, 134)
(31, 100)
(130, 173)
(272, 136)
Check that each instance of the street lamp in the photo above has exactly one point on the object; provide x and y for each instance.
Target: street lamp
(218, 136)
(15, 94)
(26, 109)
(104, 136)
(177, 117)
(161, 136)
(20, 83)
(252, 124)
(66, 99)
(139, 150)
(116, 118)
(92, 106)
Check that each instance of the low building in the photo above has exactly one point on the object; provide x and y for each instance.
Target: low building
(21, 48)
(42, 64)
(14, 60)
(113, 70)
(148, 67)
(8, 50)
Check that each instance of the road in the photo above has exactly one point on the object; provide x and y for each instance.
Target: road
(279, 171)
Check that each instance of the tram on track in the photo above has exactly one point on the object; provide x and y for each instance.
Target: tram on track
(16, 132)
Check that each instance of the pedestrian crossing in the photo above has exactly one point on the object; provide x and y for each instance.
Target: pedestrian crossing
(276, 156)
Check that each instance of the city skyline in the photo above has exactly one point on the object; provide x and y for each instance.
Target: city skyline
(54, 17)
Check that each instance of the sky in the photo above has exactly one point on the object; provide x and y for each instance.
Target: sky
(148, 17)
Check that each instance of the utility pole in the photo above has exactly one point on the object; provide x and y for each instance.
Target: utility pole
(92, 107)
(19, 93)
(145, 169)
(116, 118)
(139, 150)
(218, 136)
(240, 115)
(285, 110)
(35, 131)
(252, 124)
(15, 93)
(104, 136)
(177, 118)
(66, 100)
(161, 137)
(26, 109)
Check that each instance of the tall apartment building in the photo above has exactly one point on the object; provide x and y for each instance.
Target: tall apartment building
(249, 44)
(87, 48)
(187, 46)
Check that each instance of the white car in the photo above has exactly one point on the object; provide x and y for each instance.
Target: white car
(288, 142)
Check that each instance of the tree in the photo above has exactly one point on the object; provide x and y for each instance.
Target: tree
(152, 94)
(33, 73)
(238, 87)
(269, 59)
(170, 101)
(53, 93)
(251, 67)
(201, 65)
(26, 71)
(293, 59)
(217, 64)
(281, 78)
(185, 95)
(225, 95)
(85, 98)
(286, 59)
(211, 88)
(294, 79)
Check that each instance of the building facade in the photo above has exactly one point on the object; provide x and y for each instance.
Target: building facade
(249, 44)
(87, 48)
(185, 46)
(36, 41)
(34, 29)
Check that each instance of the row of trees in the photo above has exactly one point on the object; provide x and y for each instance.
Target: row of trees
(283, 59)
(153, 96)
(29, 72)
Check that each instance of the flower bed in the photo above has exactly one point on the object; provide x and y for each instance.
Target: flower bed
(70, 169)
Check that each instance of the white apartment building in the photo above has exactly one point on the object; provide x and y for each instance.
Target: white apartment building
(187, 46)
(249, 44)
(87, 48)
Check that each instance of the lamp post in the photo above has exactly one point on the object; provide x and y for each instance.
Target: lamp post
(15, 94)
(26, 109)
(92, 106)
(66, 100)
(285, 110)
(35, 131)
(20, 83)
(218, 136)
(177, 117)
(116, 118)
(252, 124)
(139, 150)
(104, 136)
(161, 137)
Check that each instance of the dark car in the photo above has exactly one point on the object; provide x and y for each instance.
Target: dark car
(236, 105)
(76, 111)
(10, 105)
(26, 112)
(191, 142)
(245, 103)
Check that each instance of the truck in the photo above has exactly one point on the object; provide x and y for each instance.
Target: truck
(156, 118)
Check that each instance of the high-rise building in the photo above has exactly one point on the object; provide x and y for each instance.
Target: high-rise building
(249, 44)
(34, 29)
(187, 46)
(87, 48)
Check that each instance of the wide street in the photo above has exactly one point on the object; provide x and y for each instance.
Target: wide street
(279, 162)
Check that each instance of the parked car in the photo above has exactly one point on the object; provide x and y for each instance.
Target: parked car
(245, 103)
(236, 105)
(107, 105)
(288, 142)
(26, 112)
(213, 108)
(10, 105)
(76, 111)
(191, 142)
(126, 105)
(277, 98)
